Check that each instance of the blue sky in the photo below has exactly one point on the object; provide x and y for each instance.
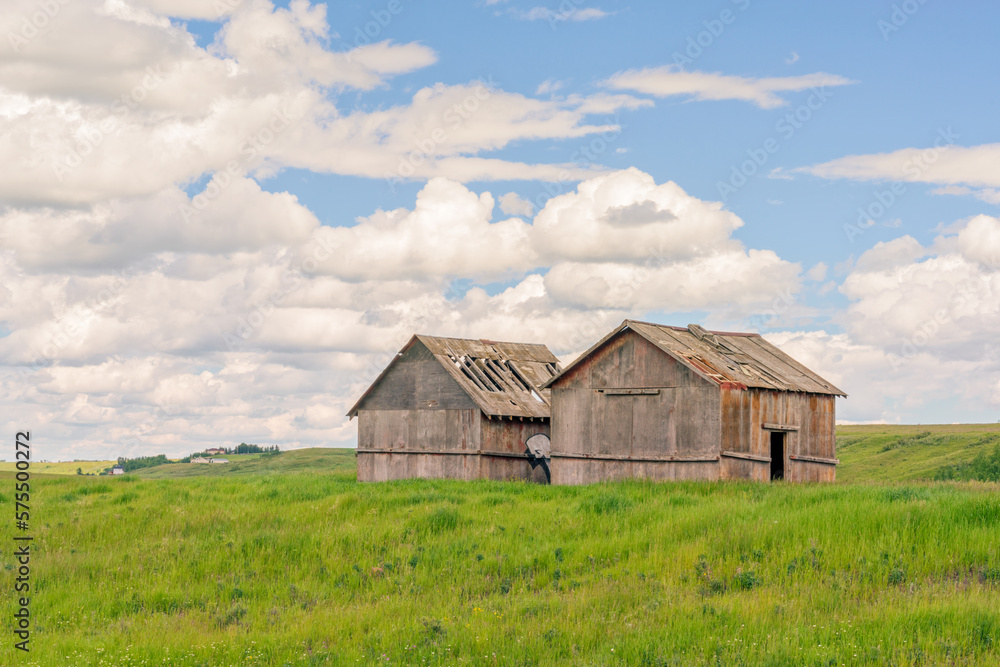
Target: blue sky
(166, 287)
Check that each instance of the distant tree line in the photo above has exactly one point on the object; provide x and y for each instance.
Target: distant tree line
(242, 448)
(128, 465)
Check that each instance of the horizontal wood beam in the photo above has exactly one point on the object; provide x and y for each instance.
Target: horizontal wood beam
(748, 457)
(445, 452)
(650, 459)
(505, 455)
(815, 459)
(629, 392)
(432, 452)
(779, 427)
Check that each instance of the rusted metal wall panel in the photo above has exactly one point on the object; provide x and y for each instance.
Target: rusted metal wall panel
(699, 424)
(816, 438)
(744, 414)
(819, 430)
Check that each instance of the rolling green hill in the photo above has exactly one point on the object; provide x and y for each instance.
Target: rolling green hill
(61, 467)
(903, 453)
(317, 460)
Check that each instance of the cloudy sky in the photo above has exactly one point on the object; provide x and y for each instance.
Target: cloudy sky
(220, 219)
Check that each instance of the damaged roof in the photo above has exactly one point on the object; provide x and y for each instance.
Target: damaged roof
(723, 357)
(503, 379)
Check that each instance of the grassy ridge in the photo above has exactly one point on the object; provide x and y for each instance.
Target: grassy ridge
(902, 453)
(317, 569)
(316, 459)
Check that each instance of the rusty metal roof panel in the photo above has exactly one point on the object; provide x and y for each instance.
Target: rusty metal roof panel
(726, 357)
(741, 358)
(504, 379)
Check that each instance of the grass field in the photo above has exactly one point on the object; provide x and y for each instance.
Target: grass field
(287, 560)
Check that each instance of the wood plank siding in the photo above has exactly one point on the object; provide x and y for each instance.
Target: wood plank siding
(671, 403)
(646, 401)
(451, 408)
(669, 431)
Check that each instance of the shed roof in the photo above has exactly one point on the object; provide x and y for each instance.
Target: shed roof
(503, 379)
(723, 357)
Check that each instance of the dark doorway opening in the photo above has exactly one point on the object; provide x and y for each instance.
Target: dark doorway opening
(777, 455)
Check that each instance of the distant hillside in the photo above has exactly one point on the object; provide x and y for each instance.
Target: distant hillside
(312, 460)
(61, 467)
(902, 453)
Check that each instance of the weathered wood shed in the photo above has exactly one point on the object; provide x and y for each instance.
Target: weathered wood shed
(456, 408)
(664, 402)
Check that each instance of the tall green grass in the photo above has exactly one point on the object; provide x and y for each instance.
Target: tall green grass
(300, 569)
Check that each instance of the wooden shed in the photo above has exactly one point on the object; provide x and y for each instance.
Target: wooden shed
(663, 402)
(456, 408)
